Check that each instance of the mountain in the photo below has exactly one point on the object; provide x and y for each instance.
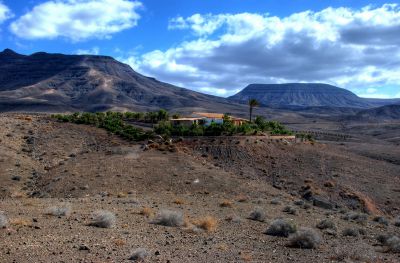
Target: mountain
(384, 113)
(57, 82)
(299, 95)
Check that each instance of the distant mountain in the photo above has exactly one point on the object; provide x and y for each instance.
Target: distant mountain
(299, 95)
(384, 113)
(57, 82)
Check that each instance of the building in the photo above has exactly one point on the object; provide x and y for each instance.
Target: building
(206, 118)
(186, 121)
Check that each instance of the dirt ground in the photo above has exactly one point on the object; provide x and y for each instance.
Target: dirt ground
(44, 163)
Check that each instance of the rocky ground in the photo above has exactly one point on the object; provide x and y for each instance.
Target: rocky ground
(214, 184)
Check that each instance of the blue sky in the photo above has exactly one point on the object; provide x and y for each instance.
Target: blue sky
(220, 48)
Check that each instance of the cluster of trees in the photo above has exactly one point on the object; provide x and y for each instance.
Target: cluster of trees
(226, 128)
(110, 121)
(115, 122)
(150, 117)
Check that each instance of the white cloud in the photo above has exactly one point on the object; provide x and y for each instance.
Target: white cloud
(77, 20)
(92, 51)
(356, 49)
(5, 13)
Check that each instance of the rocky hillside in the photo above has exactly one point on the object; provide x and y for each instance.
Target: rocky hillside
(385, 113)
(294, 95)
(57, 82)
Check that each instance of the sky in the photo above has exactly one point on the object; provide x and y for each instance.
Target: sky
(219, 47)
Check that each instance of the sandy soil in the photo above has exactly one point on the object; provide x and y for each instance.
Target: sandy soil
(44, 164)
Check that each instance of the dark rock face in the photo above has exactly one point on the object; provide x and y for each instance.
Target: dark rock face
(57, 82)
(301, 95)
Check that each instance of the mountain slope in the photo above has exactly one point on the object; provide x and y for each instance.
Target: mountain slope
(294, 95)
(384, 113)
(57, 82)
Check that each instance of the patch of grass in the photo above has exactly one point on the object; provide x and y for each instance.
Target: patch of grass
(146, 211)
(103, 219)
(59, 211)
(281, 227)
(207, 223)
(139, 254)
(305, 238)
(226, 203)
(257, 214)
(326, 224)
(169, 218)
(3, 220)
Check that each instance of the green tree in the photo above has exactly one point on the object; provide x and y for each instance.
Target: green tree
(252, 104)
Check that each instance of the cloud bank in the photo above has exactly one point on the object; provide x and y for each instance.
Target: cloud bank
(77, 20)
(356, 49)
(5, 13)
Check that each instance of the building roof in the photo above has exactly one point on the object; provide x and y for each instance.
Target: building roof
(186, 119)
(209, 115)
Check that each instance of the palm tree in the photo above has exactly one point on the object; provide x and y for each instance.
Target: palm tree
(252, 104)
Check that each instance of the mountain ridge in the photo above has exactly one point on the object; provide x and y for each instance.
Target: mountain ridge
(297, 95)
(89, 83)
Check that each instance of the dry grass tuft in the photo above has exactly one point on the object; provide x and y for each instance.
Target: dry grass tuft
(18, 194)
(179, 201)
(246, 256)
(242, 198)
(147, 211)
(207, 223)
(122, 195)
(226, 203)
(119, 242)
(22, 222)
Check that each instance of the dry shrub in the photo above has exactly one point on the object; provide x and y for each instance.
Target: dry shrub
(281, 227)
(139, 254)
(226, 203)
(20, 222)
(305, 238)
(179, 201)
(122, 195)
(246, 256)
(146, 211)
(18, 194)
(103, 219)
(326, 224)
(207, 223)
(222, 247)
(242, 198)
(59, 211)
(257, 214)
(169, 218)
(329, 184)
(119, 242)
(3, 220)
